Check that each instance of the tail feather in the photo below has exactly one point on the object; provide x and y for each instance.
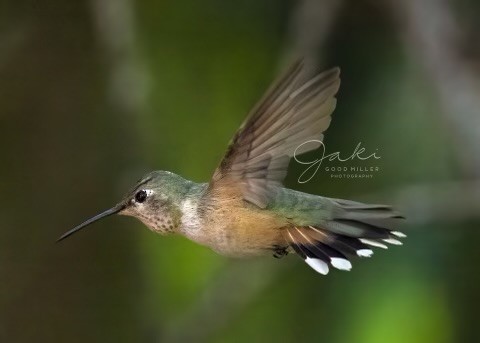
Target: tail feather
(366, 213)
(387, 223)
(355, 205)
(354, 229)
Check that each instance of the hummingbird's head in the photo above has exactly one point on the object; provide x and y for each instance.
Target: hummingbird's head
(154, 200)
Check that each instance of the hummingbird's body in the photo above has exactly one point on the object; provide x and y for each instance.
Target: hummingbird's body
(224, 222)
(244, 210)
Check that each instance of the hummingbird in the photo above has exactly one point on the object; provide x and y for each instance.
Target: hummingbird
(244, 210)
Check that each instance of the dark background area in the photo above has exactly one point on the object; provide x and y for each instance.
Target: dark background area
(95, 94)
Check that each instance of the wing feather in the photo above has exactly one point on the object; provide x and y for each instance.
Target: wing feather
(293, 111)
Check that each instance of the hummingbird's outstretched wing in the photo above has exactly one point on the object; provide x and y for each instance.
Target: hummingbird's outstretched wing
(293, 111)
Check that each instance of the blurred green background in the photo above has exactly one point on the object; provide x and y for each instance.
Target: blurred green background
(95, 94)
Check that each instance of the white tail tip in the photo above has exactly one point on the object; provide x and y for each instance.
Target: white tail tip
(341, 263)
(318, 265)
(365, 252)
(398, 234)
(373, 243)
(393, 241)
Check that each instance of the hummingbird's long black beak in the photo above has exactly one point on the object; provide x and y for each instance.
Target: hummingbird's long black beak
(107, 213)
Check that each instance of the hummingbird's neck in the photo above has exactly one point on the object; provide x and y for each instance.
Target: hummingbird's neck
(184, 198)
(190, 219)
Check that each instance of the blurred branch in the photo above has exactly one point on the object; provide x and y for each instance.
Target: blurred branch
(434, 203)
(433, 36)
(114, 20)
(129, 85)
(310, 26)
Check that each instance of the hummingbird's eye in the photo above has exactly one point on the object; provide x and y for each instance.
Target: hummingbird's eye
(141, 196)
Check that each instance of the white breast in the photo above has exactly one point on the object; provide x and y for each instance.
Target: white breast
(190, 222)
